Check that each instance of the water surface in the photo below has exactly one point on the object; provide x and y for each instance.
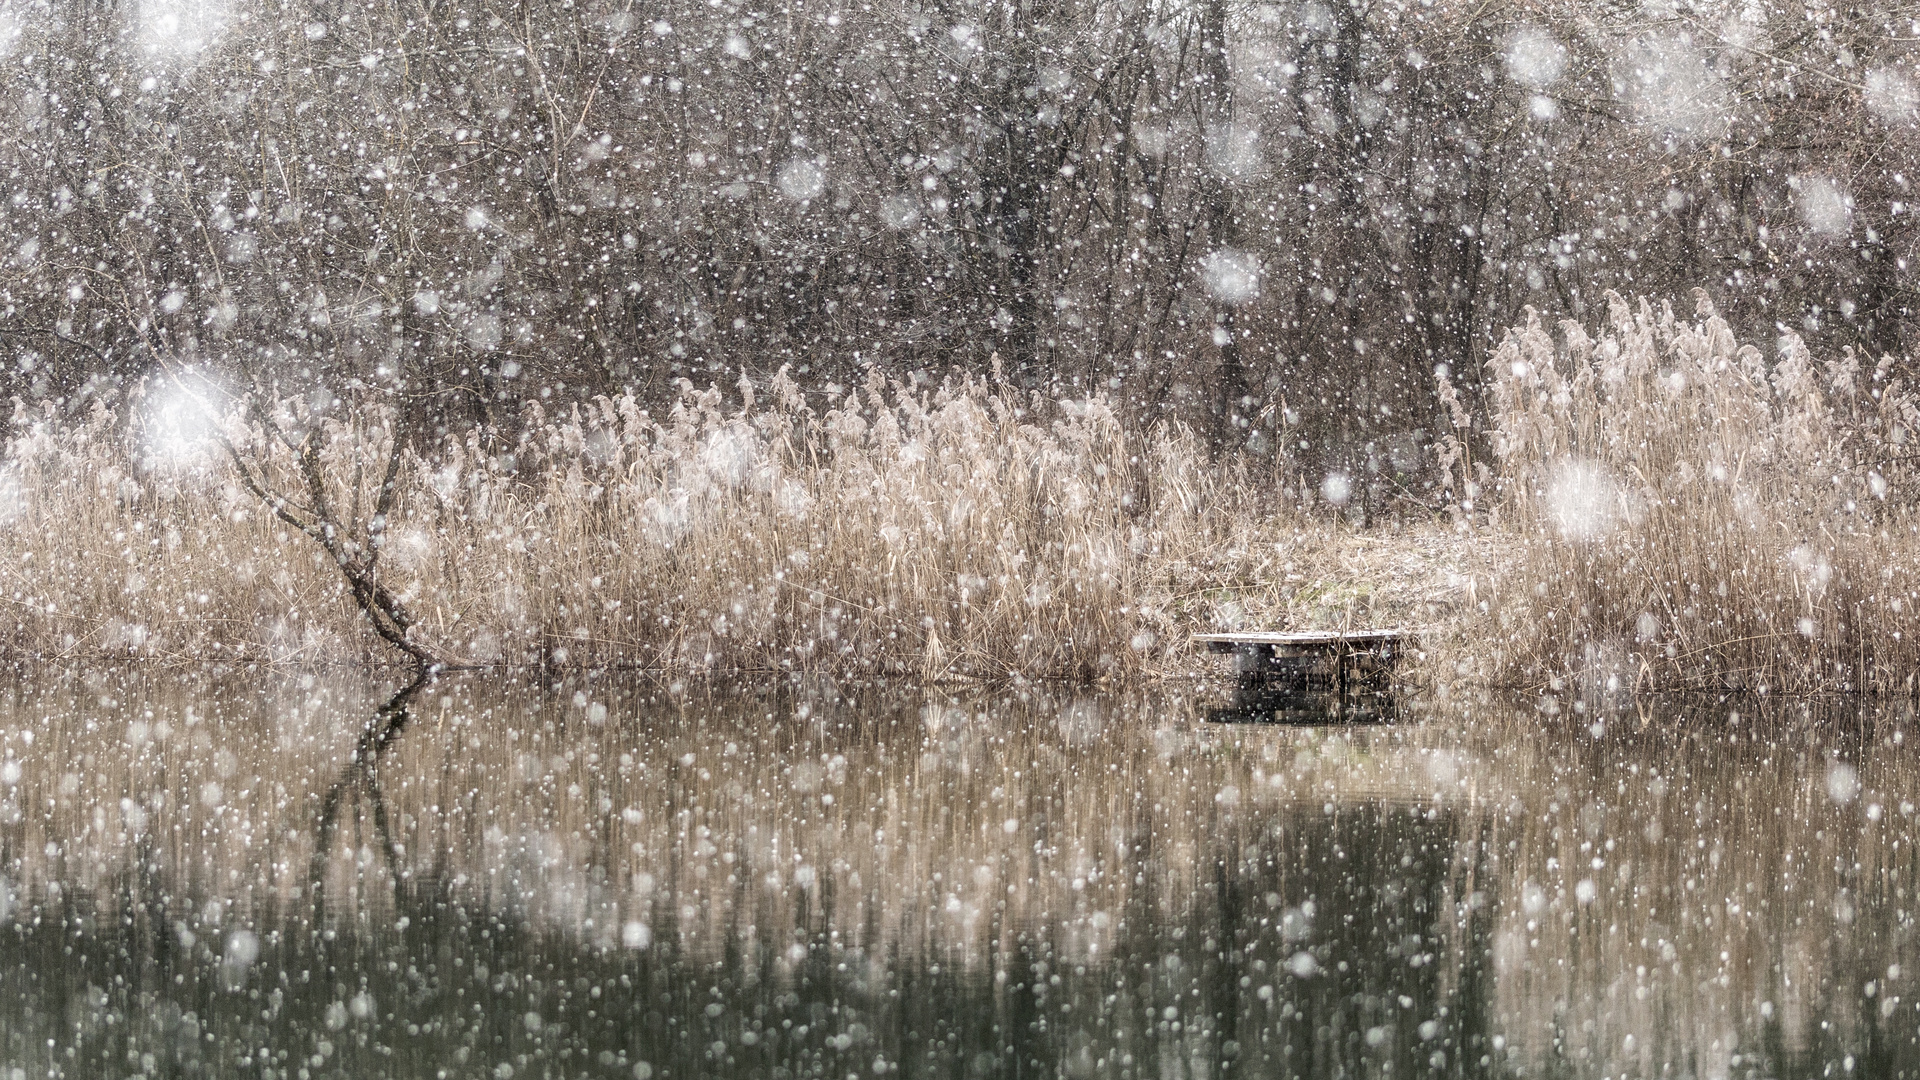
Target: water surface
(271, 874)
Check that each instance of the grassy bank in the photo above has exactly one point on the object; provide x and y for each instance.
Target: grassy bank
(1668, 509)
(972, 532)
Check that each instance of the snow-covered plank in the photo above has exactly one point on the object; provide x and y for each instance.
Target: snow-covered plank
(1307, 639)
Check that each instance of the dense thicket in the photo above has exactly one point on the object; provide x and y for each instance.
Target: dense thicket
(1680, 516)
(969, 533)
(1276, 219)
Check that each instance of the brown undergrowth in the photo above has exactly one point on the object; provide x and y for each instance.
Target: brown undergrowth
(968, 532)
(1669, 510)
(1680, 511)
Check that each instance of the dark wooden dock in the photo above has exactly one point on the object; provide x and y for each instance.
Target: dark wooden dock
(1311, 659)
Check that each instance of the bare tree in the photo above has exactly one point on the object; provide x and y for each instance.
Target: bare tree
(515, 203)
(285, 451)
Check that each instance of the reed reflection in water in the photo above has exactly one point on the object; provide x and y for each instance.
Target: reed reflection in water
(275, 875)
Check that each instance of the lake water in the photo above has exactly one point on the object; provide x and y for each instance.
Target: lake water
(263, 874)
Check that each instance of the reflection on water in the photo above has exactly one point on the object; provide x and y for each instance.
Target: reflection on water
(1258, 704)
(278, 876)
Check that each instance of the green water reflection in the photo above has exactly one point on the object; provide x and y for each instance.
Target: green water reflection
(276, 875)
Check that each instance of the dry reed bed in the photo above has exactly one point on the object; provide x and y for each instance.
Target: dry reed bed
(1689, 516)
(1670, 510)
(969, 532)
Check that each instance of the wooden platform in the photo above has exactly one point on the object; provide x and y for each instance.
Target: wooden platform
(1306, 640)
(1309, 659)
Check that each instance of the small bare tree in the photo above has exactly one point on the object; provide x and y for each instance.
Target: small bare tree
(288, 453)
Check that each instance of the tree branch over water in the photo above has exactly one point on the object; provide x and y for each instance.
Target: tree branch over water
(280, 448)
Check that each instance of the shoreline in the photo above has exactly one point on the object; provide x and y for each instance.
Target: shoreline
(1669, 512)
(971, 534)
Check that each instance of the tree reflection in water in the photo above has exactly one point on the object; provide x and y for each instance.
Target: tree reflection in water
(206, 877)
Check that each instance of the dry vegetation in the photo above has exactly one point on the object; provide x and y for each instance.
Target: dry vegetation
(1669, 509)
(968, 532)
(1688, 514)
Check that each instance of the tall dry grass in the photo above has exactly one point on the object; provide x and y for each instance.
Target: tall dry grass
(964, 531)
(1689, 513)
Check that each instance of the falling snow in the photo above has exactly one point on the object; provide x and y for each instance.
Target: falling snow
(579, 539)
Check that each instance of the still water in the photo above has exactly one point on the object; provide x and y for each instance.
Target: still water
(264, 874)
